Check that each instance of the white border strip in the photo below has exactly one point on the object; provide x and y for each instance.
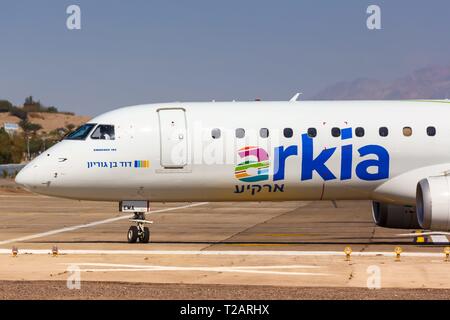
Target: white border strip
(222, 253)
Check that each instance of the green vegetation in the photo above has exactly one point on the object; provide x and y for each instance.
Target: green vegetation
(29, 128)
(14, 147)
(19, 113)
(5, 106)
(30, 105)
(11, 148)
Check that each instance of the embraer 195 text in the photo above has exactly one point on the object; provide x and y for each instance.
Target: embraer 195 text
(395, 153)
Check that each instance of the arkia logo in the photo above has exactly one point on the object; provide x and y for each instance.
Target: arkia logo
(256, 158)
(374, 167)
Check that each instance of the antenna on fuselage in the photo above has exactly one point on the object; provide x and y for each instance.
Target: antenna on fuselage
(295, 98)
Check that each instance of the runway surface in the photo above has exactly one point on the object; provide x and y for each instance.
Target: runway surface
(284, 248)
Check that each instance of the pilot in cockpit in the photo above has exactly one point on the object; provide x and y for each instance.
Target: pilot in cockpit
(105, 134)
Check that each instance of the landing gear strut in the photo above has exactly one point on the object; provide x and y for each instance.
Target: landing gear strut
(139, 232)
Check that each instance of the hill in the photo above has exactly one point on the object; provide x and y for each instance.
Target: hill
(427, 83)
(48, 121)
(40, 127)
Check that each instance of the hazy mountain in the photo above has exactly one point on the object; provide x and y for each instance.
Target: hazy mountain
(426, 83)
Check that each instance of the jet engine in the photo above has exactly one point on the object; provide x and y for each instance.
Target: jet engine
(394, 216)
(433, 203)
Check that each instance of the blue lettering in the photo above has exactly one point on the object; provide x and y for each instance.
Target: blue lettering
(382, 163)
(372, 169)
(346, 133)
(346, 162)
(281, 155)
(309, 164)
(346, 155)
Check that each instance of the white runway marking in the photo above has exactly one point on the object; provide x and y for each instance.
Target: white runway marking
(439, 239)
(245, 269)
(22, 196)
(422, 234)
(94, 264)
(223, 253)
(92, 224)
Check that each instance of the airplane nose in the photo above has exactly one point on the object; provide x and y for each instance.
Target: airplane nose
(27, 177)
(23, 178)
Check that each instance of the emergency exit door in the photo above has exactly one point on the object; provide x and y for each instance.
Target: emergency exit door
(173, 135)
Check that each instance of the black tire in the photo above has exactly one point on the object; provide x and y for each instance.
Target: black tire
(145, 237)
(133, 234)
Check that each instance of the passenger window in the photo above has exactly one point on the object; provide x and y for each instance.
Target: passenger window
(240, 133)
(431, 131)
(215, 133)
(103, 132)
(407, 131)
(336, 132)
(264, 133)
(288, 132)
(359, 132)
(312, 132)
(383, 131)
(81, 133)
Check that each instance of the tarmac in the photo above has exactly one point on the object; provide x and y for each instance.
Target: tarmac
(249, 250)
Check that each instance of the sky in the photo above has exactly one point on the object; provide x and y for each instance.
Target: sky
(144, 51)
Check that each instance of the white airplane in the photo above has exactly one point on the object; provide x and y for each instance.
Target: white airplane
(395, 153)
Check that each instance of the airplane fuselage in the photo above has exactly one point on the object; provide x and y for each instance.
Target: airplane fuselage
(252, 151)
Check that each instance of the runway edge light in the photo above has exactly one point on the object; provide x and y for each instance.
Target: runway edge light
(447, 253)
(15, 251)
(348, 252)
(398, 251)
(55, 251)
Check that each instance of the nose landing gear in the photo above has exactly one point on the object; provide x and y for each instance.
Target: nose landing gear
(139, 233)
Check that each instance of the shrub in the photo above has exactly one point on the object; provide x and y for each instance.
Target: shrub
(29, 127)
(5, 106)
(5, 157)
(52, 110)
(29, 101)
(30, 105)
(19, 113)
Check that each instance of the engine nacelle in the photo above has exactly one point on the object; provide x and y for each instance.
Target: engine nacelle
(433, 203)
(393, 216)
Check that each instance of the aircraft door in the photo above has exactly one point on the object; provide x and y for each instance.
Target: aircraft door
(173, 137)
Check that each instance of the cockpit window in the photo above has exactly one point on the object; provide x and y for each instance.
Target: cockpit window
(103, 132)
(81, 133)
